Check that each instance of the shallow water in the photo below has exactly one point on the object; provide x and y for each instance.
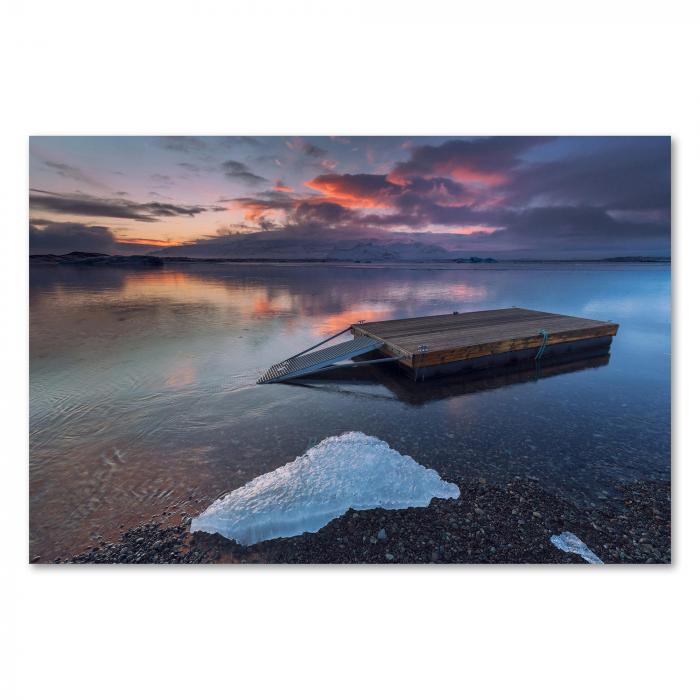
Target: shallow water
(143, 398)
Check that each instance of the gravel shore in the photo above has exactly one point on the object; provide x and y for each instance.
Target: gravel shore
(488, 524)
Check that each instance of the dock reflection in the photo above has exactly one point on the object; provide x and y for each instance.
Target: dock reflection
(405, 389)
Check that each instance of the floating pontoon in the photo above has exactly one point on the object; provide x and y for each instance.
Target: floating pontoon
(428, 346)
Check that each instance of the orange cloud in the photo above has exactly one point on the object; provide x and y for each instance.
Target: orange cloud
(256, 209)
(354, 191)
(469, 230)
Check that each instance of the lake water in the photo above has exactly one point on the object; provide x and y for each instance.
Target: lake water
(143, 399)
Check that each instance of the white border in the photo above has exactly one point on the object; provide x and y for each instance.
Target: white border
(348, 67)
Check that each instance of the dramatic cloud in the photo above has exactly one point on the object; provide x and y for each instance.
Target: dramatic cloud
(87, 205)
(487, 161)
(322, 213)
(236, 170)
(360, 190)
(566, 232)
(627, 174)
(517, 196)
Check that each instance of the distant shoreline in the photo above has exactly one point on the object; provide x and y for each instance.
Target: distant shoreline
(85, 259)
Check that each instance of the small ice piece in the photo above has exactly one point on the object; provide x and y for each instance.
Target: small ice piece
(568, 542)
(352, 470)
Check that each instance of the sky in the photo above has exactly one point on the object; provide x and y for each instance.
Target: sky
(505, 196)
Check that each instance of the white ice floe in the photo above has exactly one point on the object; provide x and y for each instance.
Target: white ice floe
(352, 470)
(568, 542)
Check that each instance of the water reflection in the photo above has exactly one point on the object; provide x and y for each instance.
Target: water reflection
(143, 396)
(404, 388)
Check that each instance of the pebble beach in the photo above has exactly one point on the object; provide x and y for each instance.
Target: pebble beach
(487, 524)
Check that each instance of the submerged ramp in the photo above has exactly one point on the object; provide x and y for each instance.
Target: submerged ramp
(309, 362)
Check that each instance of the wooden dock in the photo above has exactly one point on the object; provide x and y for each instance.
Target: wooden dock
(437, 345)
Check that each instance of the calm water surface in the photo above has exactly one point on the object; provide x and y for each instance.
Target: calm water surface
(143, 398)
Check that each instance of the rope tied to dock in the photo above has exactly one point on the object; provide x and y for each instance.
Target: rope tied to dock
(545, 338)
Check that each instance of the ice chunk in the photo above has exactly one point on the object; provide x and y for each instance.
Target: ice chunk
(568, 542)
(352, 470)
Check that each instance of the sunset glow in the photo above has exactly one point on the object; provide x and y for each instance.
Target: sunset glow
(324, 197)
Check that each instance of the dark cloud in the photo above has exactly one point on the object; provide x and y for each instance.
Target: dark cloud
(323, 229)
(628, 173)
(529, 194)
(487, 160)
(314, 151)
(570, 232)
(379, 191)
(414, 202)
(58, 238)
(593, 193)
(327, 213)
(235, 170)
(575, 227)
(276, 197)
(87, 205)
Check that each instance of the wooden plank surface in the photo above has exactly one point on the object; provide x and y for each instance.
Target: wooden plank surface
(453, 337)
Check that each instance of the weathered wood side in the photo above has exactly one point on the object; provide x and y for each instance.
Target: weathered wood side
(429, 359)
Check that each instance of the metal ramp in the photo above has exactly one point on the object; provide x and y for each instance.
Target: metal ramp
(309, 362)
